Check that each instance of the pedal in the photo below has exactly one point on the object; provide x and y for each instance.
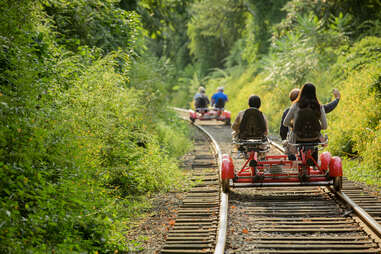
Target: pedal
(275, 170)
(304, 178)
(253, 163)
(259, 178)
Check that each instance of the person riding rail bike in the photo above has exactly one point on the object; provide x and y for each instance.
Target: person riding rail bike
(293, 95)
(201, 101)
(306, 118)
(218, 100)
(250, 123)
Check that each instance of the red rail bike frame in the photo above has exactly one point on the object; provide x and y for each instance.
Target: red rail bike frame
(254, 169)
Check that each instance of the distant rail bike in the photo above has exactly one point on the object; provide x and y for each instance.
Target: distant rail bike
(260, 169)
(219, 114)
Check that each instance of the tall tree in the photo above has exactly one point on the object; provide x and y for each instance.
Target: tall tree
(214, 28)
(264, 14)
(165, 22)
(92, 23)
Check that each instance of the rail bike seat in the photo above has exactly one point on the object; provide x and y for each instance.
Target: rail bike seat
(261, 145)
(305, 146)
(202, 110)
(220, 104)
(218, 109)
(309, 150)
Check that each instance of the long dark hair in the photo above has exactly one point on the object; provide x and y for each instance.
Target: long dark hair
(307, 98)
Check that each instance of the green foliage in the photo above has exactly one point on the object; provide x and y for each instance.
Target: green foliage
(163, 20)
(166, 23)
(294, 59)
(86, 135)
(321, 48)
(186, 86)
(361, 86)
(154, 78)
(260, 19)
(297, 8)
(306, 50)
(364, 53)
(79, 149)
(362, 14)
(371, 28)
(359, 172)
(235, 57)
(94, 23)
(213, 30)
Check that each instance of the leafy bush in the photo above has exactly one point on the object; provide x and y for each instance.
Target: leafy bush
(93, 23)
(360, 135)
(363, 53)
(78, 146)
(212, 36)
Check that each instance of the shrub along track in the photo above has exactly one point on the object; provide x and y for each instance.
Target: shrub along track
(271, 219)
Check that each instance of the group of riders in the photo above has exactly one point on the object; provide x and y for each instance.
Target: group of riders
(301, 122)
(202, 102)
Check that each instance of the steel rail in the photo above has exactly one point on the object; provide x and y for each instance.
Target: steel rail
(224, 199)
(374, 225)
(277, 146)
(279, 184)
(180, 109)
(365, 217)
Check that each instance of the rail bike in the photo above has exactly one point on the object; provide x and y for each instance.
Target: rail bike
(261, 169)
(219, 114)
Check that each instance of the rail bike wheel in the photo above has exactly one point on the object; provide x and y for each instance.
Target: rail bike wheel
(225, 185)
(337, 183)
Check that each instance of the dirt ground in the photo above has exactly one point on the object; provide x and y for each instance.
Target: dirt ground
(149, 232)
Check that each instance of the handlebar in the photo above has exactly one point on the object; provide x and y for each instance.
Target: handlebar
(307, 146)
(212, 108)
(251, 142)
(310, 144)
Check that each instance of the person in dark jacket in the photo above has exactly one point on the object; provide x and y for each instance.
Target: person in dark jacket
(260, 123)
(201, 100)
(250, 123)
(293, 95)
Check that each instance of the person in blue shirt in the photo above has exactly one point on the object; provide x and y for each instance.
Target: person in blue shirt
(219, 98)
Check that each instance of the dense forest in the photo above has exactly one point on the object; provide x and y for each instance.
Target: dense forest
(87, 136)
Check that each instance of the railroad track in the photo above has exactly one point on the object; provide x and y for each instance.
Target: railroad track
(272, 219)
(294, 220)
(196, 225)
